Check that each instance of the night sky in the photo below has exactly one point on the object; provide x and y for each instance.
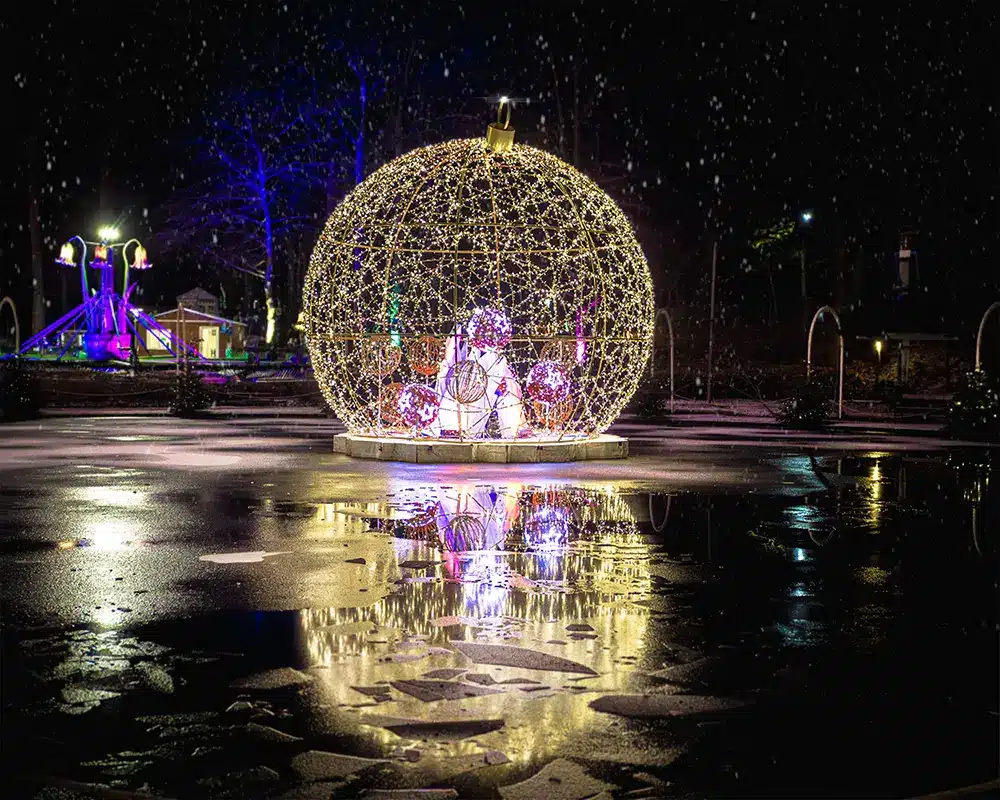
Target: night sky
(704, 119)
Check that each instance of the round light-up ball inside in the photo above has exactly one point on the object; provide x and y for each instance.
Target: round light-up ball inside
(548, 382)
(467, 381)
(418, 405)
(425, 354)
(489, 329)
(390, 405)
(466, 251)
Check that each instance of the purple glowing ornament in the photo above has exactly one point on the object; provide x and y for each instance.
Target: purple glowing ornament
(418, 405)
(548, 382)
(488, 328)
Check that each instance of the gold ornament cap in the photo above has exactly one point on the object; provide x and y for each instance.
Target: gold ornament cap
(499, 135)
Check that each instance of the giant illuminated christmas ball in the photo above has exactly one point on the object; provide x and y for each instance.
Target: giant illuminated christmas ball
(498, 254)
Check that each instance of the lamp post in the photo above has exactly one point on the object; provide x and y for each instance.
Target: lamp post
(17, 325)
(805, 220)
(878, 350)
(979, 334)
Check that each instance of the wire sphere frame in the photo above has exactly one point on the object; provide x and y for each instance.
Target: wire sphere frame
(415, 249)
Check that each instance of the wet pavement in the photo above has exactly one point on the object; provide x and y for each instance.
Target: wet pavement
(228, 609)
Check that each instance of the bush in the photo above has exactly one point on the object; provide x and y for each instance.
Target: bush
(651, 401)
(975, 408)
(808, 408)
(651, 406)
(190, 394)
(20, 396)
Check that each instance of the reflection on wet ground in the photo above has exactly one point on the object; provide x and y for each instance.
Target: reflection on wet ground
(833, 631)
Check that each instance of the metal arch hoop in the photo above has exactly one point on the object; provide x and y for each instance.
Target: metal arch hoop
(666, 514)
(670, 331)
(17, 325)
(505, 123)
(979, 335)
(840, 338)
(821, 541)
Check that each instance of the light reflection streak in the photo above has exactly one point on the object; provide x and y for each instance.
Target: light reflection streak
(874, 500)
(106, 535)
(109, 496)
(517, 564)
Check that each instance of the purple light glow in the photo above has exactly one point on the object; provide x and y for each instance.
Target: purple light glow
(418, 405)
(489, 328)
(548, 382)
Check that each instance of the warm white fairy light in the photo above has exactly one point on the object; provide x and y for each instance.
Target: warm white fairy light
(444, 231)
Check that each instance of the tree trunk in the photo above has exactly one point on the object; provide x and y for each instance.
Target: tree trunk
(270, 306)
(332, 188)
(560, 149)
(805, 299)
(37, 273)
(359, 142)
(576, 116)
(773, 315)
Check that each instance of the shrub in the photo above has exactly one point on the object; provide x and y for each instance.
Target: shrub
(808, 408)
(651, 406)
(190, 394)
(975, 408)
(651, 398)
(20, 396)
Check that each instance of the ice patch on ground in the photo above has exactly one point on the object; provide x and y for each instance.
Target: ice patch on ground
(253, 557)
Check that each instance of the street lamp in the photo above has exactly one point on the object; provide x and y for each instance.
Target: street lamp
(878, 349)
(806, 218)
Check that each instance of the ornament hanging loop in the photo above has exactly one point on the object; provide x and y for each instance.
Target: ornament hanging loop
(504, 104)
(499, 134)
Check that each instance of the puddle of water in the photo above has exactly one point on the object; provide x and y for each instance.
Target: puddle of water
(855, 626)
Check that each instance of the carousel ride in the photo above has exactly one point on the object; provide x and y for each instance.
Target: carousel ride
(106, 323)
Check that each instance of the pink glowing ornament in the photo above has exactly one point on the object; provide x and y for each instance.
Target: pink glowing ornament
(418, 405)
(548, 382)
(488, 328)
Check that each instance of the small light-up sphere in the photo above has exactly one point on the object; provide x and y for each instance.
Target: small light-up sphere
(548, 382)
(489, 328)
(418, 405)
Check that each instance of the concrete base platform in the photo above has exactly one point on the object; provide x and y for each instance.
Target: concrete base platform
(495, 451)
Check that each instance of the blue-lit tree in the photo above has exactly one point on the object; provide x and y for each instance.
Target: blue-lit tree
(257, 168)
(370, 100)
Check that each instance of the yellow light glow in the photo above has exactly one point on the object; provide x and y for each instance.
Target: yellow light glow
(874, 501)
(878, 346)
(110, 496)
(108, 233)
(108, 536)
(447, 229)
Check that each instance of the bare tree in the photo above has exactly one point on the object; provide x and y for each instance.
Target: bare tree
(258, 166)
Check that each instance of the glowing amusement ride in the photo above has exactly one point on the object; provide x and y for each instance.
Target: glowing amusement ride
(111, 326)
(474, 294)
